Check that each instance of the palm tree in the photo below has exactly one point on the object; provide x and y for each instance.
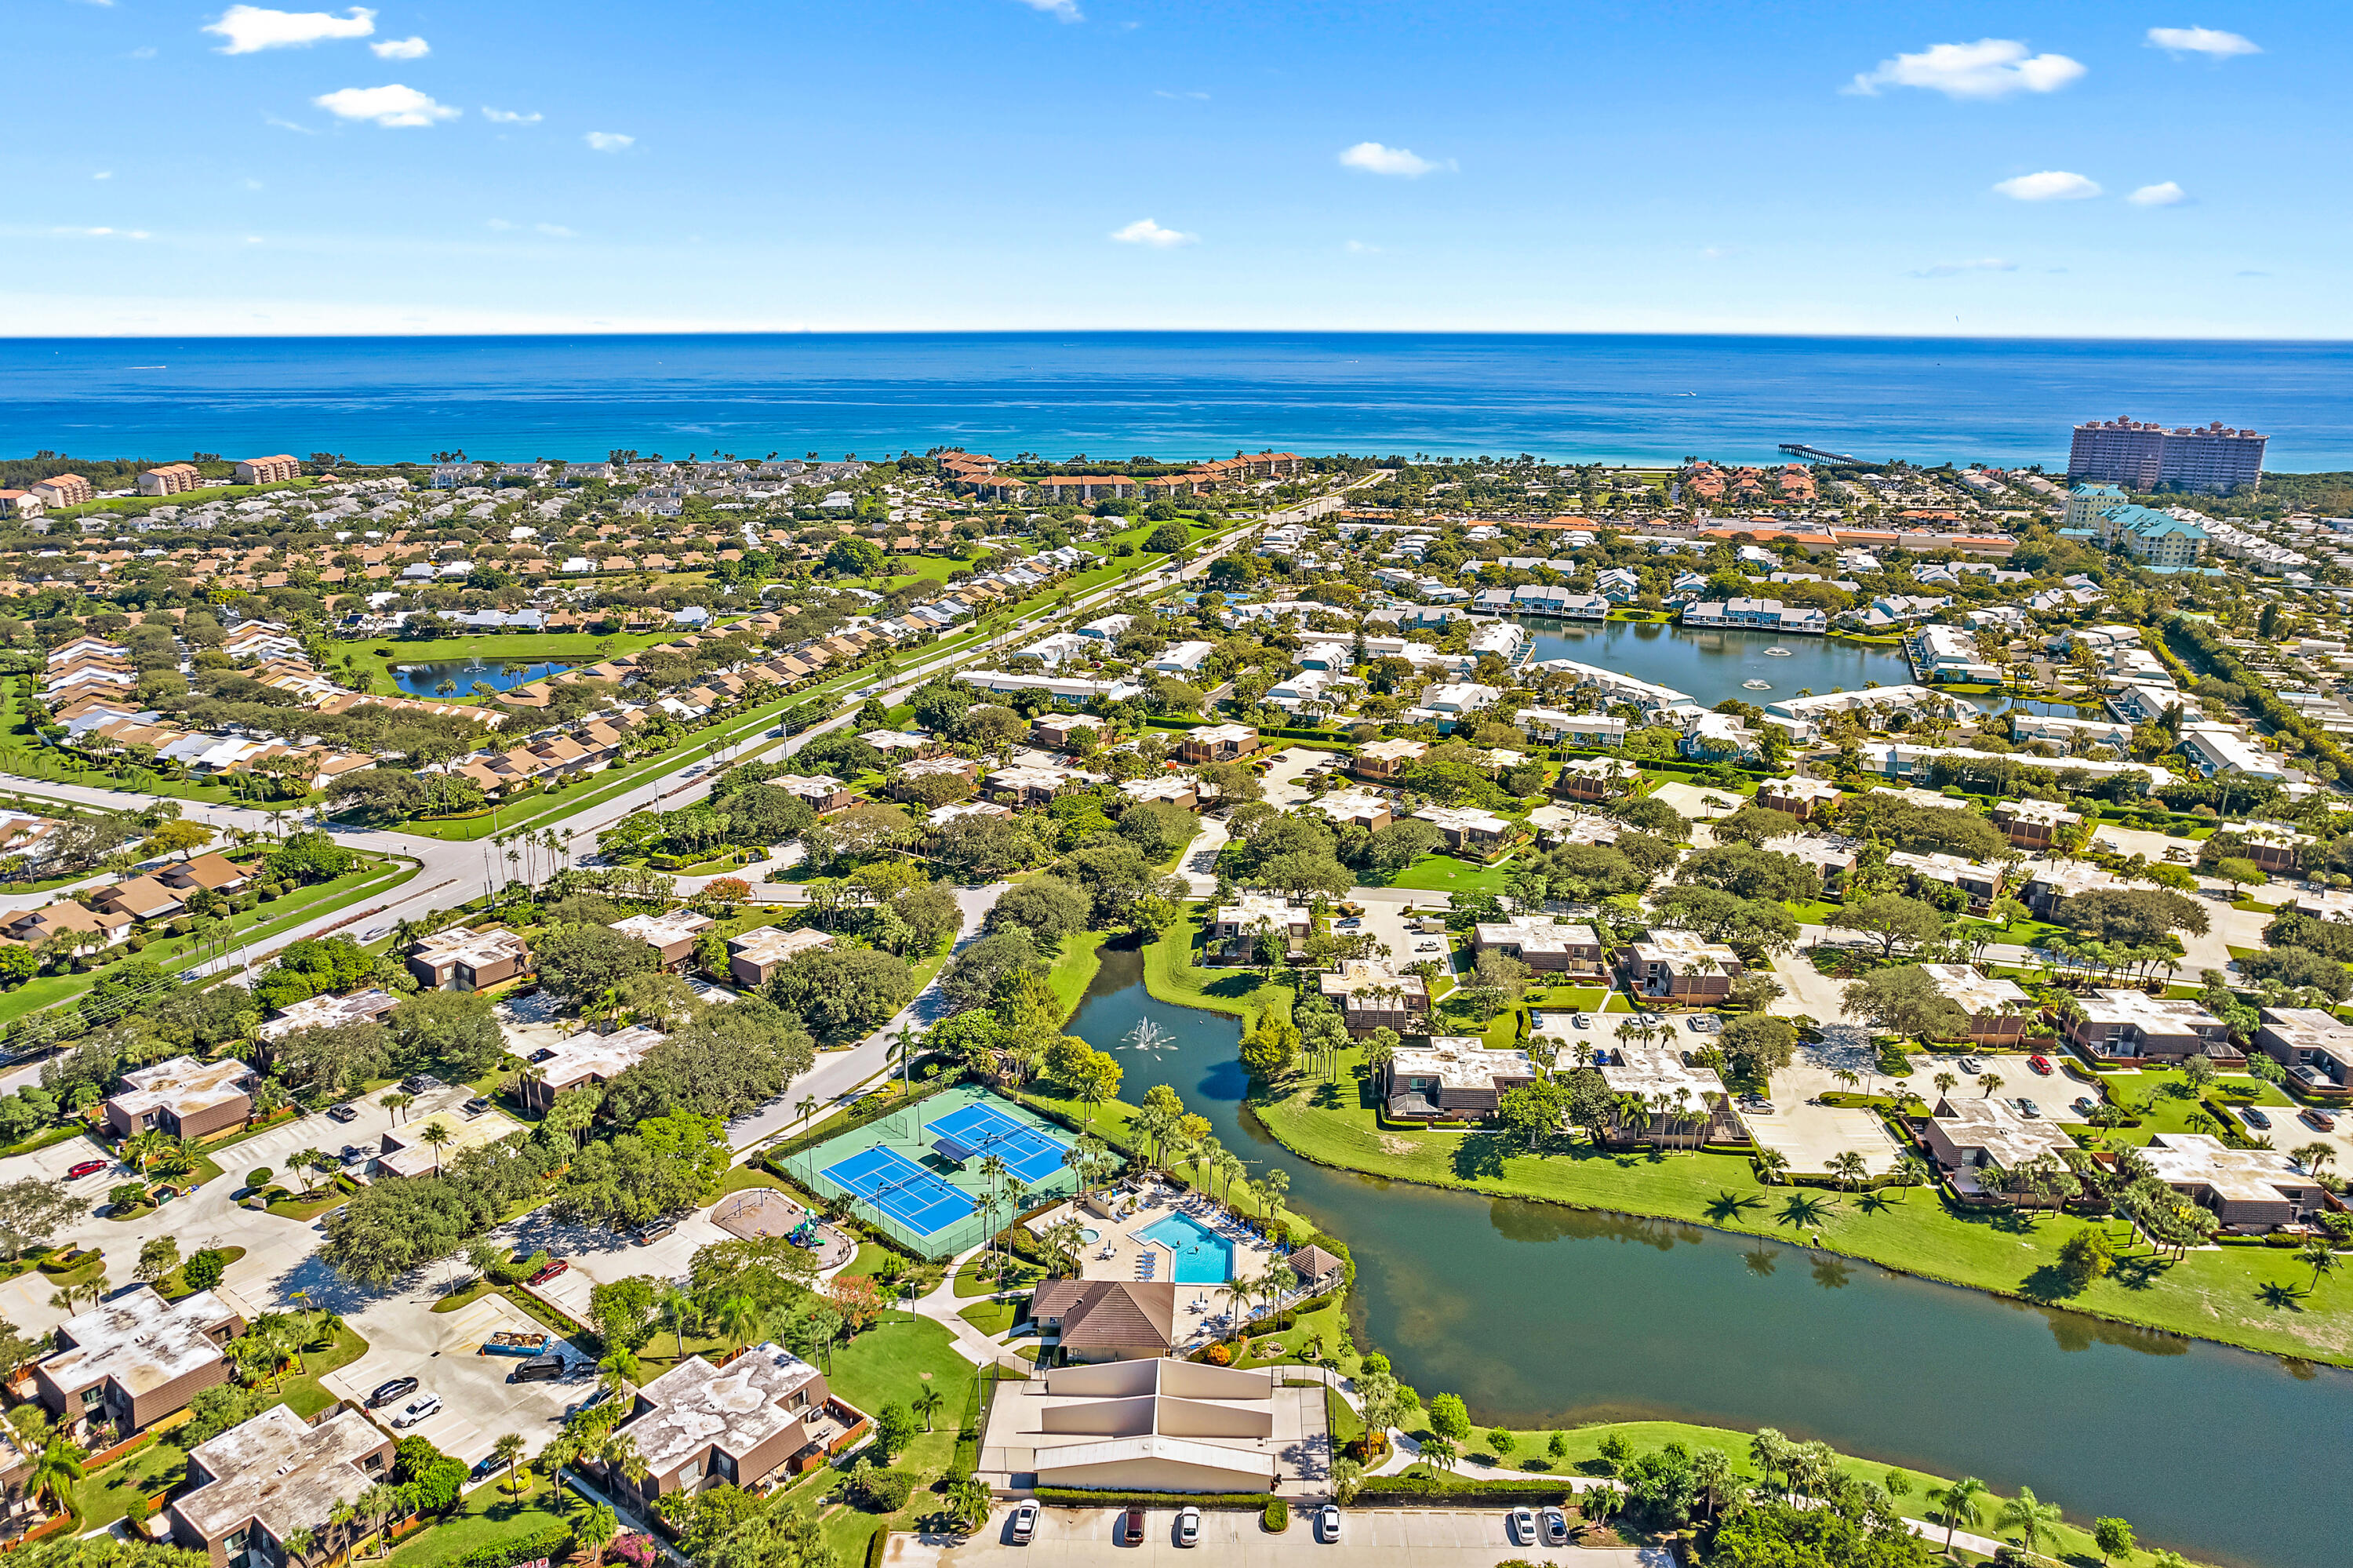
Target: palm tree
(1440, 1454)
(508, 1451)
(1848, 1167)
(301, 1160)
(1768, 1451)
(2319, 1256)
(1945, 1083)
(735, 1317)
(340, 1519)
(2313, 1156)
(1957, 1505)
(806, 1109)
(619, 1452)
(928, 1403)
(1712, 1474)
(1988, 1082)
(620, 1369)
(435, 1134)
(396, 1102)
(1771, 1166)
(2031, 1517)
(1910, 1171)
(300, 1544)
(57, 1468)
(679, 1307)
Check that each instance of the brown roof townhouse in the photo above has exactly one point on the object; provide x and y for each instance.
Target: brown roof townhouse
(35, 927)
(1998, 1011)
(183, 1098)
(274, 1476)
(129, 1362)
(462, 959)
(1108, 1320)
(763, 1413)
(586, 1059)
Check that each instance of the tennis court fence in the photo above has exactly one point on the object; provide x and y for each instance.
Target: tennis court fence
(916, 1175)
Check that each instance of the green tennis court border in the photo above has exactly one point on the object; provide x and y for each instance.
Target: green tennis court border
(907, 1130)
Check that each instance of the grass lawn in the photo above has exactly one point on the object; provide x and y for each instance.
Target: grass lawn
(377, 656)
(1170, 974)
(1444, 874)
(486, 1516)
(2169, 1111)
(1073, 969)
(1581, 1454)
(106, 1496)
(258, 924)
(991, 1317)
(869, 1259)
(2257, 1298)
(968, 1282)
(741, 1177)
(2024, 933)
(905, 569)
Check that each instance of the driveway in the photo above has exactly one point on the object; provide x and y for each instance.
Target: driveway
(1281, 783)
(1386, 1538)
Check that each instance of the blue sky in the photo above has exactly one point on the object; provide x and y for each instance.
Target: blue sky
(2161, 170)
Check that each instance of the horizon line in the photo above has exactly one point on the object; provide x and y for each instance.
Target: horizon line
(784, 332)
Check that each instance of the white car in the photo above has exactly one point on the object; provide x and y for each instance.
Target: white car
(1023, 1525)
(1327, 1524)
(1189, 1527)
(1524, 1527)
(424, 1407)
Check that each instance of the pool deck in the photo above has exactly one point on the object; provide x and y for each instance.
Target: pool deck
(1117, 1255)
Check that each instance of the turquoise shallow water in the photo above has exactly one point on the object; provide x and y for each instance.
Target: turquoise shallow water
(1203, 1256)
(1596, 397)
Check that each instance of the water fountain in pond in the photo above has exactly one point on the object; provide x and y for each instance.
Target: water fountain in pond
(1149, 1038)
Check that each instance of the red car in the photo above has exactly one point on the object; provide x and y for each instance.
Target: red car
(2041, 1064)
(550, 1272)
(87, 1168)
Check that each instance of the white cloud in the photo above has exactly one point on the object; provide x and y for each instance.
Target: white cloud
(1061, 10)
(2049, 184)
(557, 229)
(2212, 42)
(2165, 193)
(1956, 268)
(1376, 159)
(287, 125)
(401, 50)
(1990, 68)
(1143, 231)
(1359, 248)
(103, 175)
(499, 224)
(509, 117)
(1164, 92)
(251, 28)
(608, 141)
(394, 106)
(104, 233)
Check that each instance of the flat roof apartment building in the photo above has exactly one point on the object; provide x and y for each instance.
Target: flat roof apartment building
(586, 1058)
(1453, 1075)
(1217, 743)
(670, 936)
(2144, 456)
(1680, 966)
(1999, 1010)
(2134, 1027)
(266, 1479)
(1543, 944)
(129, 1362)
(183, 1098)
(2250, 1190)
(462, 959)
(1373, 996)
(760, 952)
(1687, 1105)
(765, 1414)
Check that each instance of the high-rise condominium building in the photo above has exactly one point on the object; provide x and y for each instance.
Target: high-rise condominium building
(2144, 457)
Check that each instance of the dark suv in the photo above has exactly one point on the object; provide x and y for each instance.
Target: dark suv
(539, 1369)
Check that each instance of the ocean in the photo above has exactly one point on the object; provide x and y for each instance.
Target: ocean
(1590, 398)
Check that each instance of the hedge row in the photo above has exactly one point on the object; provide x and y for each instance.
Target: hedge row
(890, 1105)
(1080, 1496)
(1413, 1488)
(553, 1542)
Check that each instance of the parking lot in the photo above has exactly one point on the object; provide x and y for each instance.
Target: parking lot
(597, 1256)
(438, 1348)
(1390, 1537)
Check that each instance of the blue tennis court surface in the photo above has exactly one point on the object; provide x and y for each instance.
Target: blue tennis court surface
(981, 1129)
(901, 1189)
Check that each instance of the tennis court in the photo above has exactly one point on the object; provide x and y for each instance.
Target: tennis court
(981, 1129)
(920, 1174)
(899, 1188)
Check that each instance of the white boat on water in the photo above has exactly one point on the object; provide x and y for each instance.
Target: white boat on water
(1778, 653)
(1758, 685)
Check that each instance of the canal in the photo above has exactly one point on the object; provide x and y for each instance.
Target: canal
(1541, 1316)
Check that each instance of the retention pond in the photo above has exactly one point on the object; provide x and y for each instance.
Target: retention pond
(1541, 1315)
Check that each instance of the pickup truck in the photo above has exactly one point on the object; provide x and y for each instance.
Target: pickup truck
(506, 1343)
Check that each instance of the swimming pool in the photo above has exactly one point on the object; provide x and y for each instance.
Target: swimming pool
(1202, 1256)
